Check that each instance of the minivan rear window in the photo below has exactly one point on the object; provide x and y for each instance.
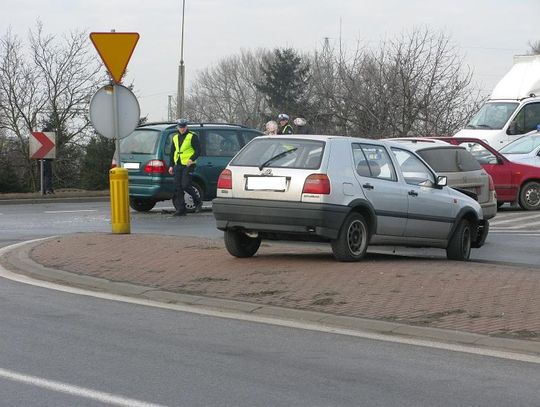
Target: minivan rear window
(281, 153)
(143, 141)
(449, 159)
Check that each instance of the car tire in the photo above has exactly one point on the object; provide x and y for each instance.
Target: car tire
(190, 206)
(529, 196)
(239, 244)
(141, 204)
(353, 238)
(460, 244)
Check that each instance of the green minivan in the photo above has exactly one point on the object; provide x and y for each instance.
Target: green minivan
(145, 153)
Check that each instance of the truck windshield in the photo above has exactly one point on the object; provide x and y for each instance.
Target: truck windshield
(492, 115)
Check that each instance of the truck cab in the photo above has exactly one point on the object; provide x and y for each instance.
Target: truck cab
(513, 108)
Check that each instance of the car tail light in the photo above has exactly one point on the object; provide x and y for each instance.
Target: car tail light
(225, 180)
(317, 184)
(491, 184)
(155, 167)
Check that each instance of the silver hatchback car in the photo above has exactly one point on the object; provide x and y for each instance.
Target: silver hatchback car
(350, 192)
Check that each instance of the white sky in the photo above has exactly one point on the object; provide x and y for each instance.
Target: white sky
(487, 32)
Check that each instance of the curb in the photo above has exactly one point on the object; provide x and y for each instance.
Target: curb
(16, 259)
(31, 201)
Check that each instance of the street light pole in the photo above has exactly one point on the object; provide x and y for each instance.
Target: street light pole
(181, 72)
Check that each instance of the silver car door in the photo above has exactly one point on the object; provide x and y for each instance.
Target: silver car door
(431, 210)
(376, 175)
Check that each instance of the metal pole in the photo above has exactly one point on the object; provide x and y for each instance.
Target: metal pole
(42, 177)
(181, 71)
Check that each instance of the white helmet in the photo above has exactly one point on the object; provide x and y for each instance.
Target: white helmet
(283, 116)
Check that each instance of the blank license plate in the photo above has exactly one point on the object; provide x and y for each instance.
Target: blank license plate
(131, 166)
(266, 183)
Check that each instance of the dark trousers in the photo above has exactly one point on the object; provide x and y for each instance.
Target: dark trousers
(182, 181)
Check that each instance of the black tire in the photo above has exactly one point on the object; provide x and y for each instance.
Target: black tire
(353, 239)
(239, 244)
(141, 204)
(459, 246)
(499, 204)
(190, 206)
(529, 196)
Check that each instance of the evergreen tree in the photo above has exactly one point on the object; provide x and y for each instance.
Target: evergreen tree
(96, 163)
(285, 81)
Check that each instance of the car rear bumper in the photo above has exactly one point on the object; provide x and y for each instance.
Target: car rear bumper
(280, 219)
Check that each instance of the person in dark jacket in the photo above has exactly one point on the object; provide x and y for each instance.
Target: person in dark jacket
(300, 124)
(185, 150)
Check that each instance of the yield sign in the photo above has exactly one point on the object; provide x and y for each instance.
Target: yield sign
(42, 145)
(115, 49)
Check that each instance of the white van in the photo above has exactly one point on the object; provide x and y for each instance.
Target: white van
(513, 108)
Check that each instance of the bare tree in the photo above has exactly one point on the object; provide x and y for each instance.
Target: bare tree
(535, 47)
(47, 85)
(227, 92)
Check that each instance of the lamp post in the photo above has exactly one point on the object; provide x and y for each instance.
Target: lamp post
(181, 72)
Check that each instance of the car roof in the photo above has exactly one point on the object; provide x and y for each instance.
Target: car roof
(418, 143)
(166, 125)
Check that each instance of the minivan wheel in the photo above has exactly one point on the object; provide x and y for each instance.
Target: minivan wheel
(352, 241)
(190, 206)
(529, 196)
(459, 246)
(239, 244)
(141, 204)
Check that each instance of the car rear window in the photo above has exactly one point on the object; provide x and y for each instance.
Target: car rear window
(281, 153)
(449, 159)
(143, 141)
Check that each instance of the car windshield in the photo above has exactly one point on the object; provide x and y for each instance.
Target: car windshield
(281, 153)
(523, 145)
(493, 115)
(449, 159)
(141, 141)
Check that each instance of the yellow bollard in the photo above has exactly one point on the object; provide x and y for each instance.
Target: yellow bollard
(119, 191)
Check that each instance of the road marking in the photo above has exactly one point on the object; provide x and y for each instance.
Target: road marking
(82, 392)
(496, 222)
(78, 210)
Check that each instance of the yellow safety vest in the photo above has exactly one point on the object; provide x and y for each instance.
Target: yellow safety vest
(184, 151)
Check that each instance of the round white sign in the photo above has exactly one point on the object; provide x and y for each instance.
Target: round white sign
(102, 111)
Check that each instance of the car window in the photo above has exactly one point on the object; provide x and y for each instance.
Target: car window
(281, 153)
(480, 153)
(449, 159)
(526, 120)
(523, 145)
(414, 171)
(221, 143)
(140, 141)
(373, 161)
(492, 115)
(247, 136)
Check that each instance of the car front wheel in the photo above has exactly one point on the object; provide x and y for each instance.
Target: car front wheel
(239, 244)
(352, 242)
(529, 196)
(459, 246)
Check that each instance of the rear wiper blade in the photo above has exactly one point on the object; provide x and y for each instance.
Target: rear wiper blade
(277, 156)
(486, 126)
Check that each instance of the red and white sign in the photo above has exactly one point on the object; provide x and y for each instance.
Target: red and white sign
(42, 145)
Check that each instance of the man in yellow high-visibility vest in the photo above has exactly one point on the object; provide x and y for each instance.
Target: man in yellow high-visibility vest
(184, 152)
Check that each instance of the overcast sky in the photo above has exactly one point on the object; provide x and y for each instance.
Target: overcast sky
(487, 32)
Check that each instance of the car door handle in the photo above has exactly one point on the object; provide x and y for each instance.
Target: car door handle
(368, 186)
(412, 192)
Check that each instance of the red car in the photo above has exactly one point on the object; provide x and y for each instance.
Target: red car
(514, 182)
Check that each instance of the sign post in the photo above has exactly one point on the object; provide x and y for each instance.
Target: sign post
(106, 108)
(43, 147)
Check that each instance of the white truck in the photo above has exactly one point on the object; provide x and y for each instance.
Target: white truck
(513, 108)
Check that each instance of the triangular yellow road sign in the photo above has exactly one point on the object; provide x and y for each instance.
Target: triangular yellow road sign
(115, 50)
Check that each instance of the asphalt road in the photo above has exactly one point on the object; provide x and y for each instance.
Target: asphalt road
(59, 349)
(514, 236)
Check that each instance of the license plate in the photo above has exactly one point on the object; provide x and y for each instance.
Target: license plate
(131, 166)
(266, 183)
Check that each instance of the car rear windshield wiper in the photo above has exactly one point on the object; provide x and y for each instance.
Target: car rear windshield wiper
(277, 156)
(486, 126)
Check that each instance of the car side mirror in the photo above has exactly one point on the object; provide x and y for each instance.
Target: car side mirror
(512, 128)
(499, 160)
(442, 181)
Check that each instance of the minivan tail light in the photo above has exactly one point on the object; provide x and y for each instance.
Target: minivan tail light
(491, 184)
(155, 167)
(317, 184)
(225, 180)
